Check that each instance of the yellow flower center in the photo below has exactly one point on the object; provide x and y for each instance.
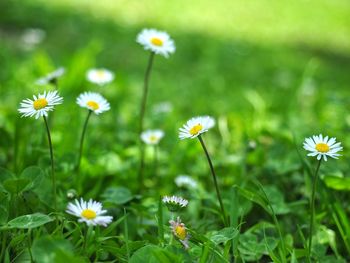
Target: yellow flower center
(100, 73)
(180, 232)
(322, 147)
(153, 138)
(93, 105)
(88, 214)
(196, 129)
(40, 104)
(157, 41)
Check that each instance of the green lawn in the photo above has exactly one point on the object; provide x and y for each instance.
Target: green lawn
(270, 72)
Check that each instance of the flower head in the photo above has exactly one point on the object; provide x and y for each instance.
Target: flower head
(196, 126)
(185, 181)
(51, 77)
(89, 212)
(33, 36)
(40, 105)
(322, 147)
(93, 101)
(100, 76)
(174, 203)
(152, 137)
(156, 41)
(180, 232)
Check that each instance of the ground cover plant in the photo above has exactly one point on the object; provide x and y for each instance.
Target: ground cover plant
(169, 131)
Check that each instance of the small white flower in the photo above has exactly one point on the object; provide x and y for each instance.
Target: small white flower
(89, 212)
(156, 41)
(152, 137)
(322, 147)
(40, 105)
(93, 101)
(180, 232)
(174, 203)
(196, 126)
(100, 76)
(33, 36)
(185, 181)
(51, 77)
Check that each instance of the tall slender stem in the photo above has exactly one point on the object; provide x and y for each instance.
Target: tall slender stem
(141, 120)
(52, 164)
(155, 160)
(82, 141)
(215, 180)
(312, 207)
(145, 92)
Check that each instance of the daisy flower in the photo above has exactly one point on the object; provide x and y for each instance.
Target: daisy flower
(185, 181)
(100, 76)
(196, 126)
(93, 101)
(156, 41)
(152, 137)
(89, 212)
(51, 77)
(180, 232)
(322, 147)
(40, 105)
(174, 203)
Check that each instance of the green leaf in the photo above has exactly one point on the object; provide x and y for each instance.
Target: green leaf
(154, 254)
(337, 183)
(3, 214)
(16, 186)
(117, 195)
(224, 235)
(5, 174)
(29, 221)
(35, 174)
(49, 250)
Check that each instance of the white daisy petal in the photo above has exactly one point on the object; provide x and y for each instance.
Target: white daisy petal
(322, 147)
(100, 76)
(152, 137)
(156, 41)
(51, 77)
(93, 101)
(41, 105)
(89, 212)
(196, 126)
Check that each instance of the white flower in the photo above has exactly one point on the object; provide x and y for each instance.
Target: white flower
(152, 137)
(89, 212)
(196, 126)
(322, 147)
(180, 232)
(40, 105)
(100, 76)
(156, 41)
(51, 77)
(33, 36)
(93, 101)
(185, 181)
(174, 203)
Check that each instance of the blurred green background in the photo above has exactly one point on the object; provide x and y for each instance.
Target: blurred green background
(267, 70)
(271, 72)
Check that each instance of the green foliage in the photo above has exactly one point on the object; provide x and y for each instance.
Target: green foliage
(28, 221)
(270, 72)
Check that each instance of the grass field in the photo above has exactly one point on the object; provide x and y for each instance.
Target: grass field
(271, 73)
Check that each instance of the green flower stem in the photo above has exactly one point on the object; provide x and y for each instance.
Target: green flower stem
(82, 141)
(155, 160)
(141, 121)
(29, 246)
(215, 181)
(312, 207)
(52, 164)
